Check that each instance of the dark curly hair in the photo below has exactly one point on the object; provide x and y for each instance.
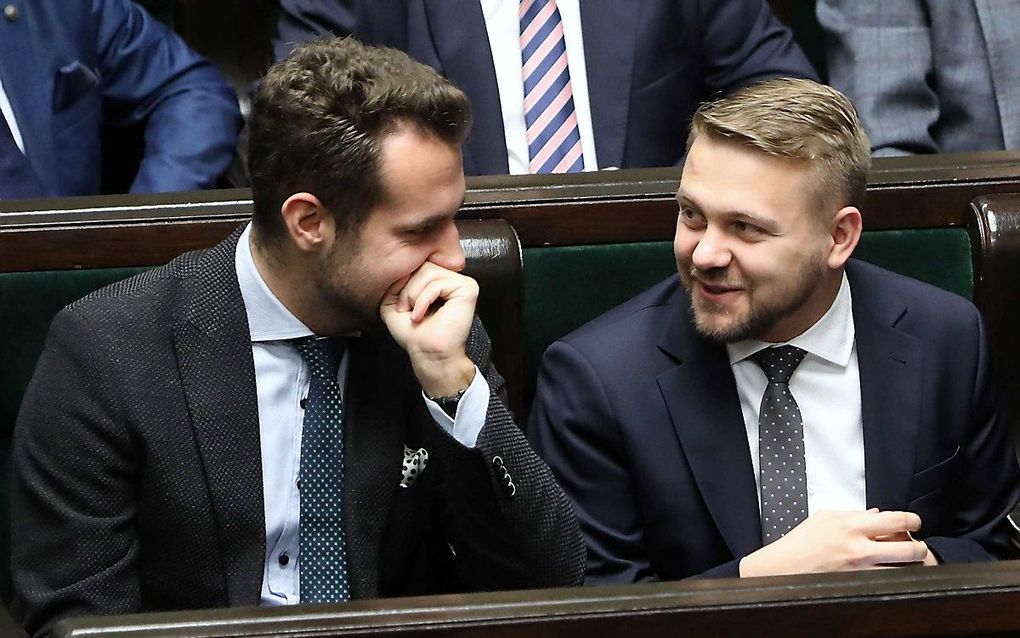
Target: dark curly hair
(319, 118)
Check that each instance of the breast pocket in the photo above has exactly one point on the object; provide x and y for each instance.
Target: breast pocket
(934, 477)
(76, 99)
(77, 125)
(72, 83)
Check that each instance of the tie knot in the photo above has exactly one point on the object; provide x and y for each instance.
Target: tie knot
(778, 363)
(321, 354)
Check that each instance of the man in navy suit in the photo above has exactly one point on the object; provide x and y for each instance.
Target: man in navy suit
(69, 69)
(671, 420)
(638, 69)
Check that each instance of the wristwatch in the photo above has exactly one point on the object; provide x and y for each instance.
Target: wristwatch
(448, 404)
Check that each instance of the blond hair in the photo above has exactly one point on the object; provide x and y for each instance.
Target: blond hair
(800, 120)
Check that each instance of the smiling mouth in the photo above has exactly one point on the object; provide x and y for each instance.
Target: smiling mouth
(716, 290)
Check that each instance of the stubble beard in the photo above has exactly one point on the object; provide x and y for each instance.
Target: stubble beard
(336, 285)
(761, 316)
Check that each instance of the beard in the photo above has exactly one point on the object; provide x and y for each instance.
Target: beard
(762, 314)
(337, 286)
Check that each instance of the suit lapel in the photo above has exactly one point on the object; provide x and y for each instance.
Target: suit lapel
(701, 396)
(609, 71)
(457, 30)
(218, 376)
(374, 437)
(890, 371)
(24, 68)
(1003, 52)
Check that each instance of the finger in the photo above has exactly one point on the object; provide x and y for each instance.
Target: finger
(898, 536)
(886, 523)
(392, 294)
(436, 289)
(898, 552)
(426, 274)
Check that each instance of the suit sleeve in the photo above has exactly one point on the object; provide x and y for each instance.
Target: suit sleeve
(376, 22)
(511, 526)
(743, 42)
(74, 549)
(880, 55)
(573, 427)
(987, 486)
(149, 75)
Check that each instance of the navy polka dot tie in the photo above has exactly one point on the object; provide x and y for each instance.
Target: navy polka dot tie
(322, 548)
(780, 445)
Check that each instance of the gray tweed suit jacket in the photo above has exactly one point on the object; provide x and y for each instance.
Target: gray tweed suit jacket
(138, 478)
(928, 76)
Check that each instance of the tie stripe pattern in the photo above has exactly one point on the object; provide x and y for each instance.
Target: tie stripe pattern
(780, 445)
(322, 546)
(554, 140)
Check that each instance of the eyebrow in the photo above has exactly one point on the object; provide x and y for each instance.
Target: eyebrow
(750, 216)
(431, 220)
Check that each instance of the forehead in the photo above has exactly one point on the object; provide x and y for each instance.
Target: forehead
(420, 174)
(721, 176)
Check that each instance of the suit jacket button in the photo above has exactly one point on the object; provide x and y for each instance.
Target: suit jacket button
(10, 13)
(497, 462)
(510, 488)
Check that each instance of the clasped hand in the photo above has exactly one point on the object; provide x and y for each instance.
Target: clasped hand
(429, 314)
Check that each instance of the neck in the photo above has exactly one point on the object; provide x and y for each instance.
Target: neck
(285, 276)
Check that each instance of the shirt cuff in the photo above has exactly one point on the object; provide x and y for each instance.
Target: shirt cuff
(471, 410)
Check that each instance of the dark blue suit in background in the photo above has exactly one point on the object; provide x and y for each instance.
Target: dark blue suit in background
(70, 68)
(639, 419)
(649, 63)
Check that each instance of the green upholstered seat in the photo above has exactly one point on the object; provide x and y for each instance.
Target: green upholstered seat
(566, 286)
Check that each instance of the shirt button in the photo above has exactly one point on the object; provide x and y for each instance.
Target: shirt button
(284, 559)
(10, 13)
(303, 403)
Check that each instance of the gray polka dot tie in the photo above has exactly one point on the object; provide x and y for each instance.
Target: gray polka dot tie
(322, 548)
(780, 445)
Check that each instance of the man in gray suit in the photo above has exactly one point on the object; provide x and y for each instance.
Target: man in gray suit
(928, 76)
(191, 437)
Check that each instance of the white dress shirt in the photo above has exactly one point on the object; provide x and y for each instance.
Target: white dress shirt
(8, 114)
(827, 387)
(281, 381)
(504, 30)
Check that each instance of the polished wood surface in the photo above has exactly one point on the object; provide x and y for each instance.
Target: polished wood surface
(602, 207)
(959, 600)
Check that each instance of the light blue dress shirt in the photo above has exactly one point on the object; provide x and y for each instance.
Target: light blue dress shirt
(281, 381)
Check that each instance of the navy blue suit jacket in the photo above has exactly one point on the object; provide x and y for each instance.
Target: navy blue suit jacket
(71, 68)
(649, 63)
(638, 417)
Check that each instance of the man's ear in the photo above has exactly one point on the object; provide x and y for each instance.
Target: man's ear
(846, 229)
(309, 225)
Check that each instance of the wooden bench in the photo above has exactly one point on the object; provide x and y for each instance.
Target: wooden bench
(956, 600)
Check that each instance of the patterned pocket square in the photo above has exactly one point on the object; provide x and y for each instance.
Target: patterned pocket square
(414, 464)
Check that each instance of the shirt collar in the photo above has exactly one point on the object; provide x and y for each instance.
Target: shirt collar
(268, 318)
(830, 338)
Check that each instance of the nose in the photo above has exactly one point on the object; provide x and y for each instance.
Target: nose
(448, 253)
(711, 250)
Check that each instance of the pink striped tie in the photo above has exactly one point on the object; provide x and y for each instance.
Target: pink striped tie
(554, 141)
